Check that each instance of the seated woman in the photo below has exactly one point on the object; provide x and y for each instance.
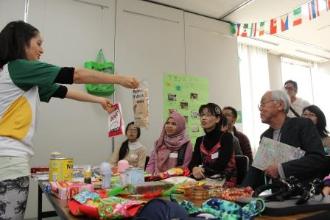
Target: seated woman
(173, 148)
(317, 116)
(214, 152)
(131, 149)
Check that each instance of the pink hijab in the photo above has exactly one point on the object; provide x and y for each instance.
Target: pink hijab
(167, 144)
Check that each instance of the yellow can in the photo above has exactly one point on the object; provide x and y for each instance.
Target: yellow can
(60, 169)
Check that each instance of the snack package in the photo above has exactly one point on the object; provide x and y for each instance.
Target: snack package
(141, 106)
(116, 122)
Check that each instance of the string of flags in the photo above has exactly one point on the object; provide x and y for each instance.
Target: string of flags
(308, 11)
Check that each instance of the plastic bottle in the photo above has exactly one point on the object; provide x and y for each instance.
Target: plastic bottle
(105, 170)
(88, 174)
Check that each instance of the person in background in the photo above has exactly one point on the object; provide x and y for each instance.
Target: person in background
(225, 128)
(315, 114)
(131, 149)
(231, 114)
(296, 132)
(297, 104)
(173, 148)
(23, 82)
(214, 152)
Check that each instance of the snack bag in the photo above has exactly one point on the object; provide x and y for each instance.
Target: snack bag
(141, 106)
(116, 121)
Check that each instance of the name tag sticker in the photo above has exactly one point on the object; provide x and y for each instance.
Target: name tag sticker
(215, 155)
(173, 155)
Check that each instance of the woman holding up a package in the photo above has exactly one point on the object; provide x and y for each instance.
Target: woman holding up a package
(23, 82)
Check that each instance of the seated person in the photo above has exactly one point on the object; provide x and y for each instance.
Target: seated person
(131, 149)
(318, 118)
(214, 152)
(225, 128)
(231, 114)
(173, 148)
(297, 132)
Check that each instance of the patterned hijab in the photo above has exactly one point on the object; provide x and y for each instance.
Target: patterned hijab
(167, 144)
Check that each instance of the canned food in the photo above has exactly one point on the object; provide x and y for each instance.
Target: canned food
(60, 169)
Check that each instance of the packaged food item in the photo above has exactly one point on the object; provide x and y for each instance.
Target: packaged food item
(105, 170)
(115, 121)
(141, 106)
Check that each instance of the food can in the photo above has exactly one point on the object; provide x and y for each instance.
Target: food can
(60, 169)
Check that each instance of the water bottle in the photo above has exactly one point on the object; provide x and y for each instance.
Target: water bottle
(105, 170)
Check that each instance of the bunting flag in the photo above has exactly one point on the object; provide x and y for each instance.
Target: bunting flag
(253, 32)
(313, 9)
(261, 28)
(296, 17)
(284, 22)
(245, 30)
(273, 26)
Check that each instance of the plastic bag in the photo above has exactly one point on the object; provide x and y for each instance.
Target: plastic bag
(104, 66)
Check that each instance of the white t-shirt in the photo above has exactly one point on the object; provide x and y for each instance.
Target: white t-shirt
(298, 105)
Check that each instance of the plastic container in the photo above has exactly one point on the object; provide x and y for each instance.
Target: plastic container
(105, 170)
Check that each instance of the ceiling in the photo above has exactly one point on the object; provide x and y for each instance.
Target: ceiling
(308, 41)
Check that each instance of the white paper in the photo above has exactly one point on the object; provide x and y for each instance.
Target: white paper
(272, 152)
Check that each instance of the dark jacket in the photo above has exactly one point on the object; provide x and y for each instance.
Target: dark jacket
(225, 153)
(301, 132)
(244, 144)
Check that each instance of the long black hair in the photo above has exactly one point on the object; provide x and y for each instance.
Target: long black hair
(14, 38)
(215, 110)
(321, 122)
(124, 146)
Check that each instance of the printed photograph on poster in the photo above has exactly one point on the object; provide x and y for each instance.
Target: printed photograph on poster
(193, 96)
(184, 105)
(171, 97)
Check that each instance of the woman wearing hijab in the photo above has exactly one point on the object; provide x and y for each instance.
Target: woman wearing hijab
(173, 148)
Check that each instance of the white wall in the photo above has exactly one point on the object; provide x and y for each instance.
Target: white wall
(212, 52)
(11, 10)
(144, 40)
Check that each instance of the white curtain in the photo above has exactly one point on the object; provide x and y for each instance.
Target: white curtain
(254, 79)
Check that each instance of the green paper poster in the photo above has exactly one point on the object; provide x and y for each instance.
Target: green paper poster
(186, 94)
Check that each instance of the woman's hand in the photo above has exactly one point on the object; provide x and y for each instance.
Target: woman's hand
(326, 190)
(198, 172)
(128, 82)
(106, 104)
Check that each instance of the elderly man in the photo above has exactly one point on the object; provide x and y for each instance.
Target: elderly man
(297, 132)
(297, 104)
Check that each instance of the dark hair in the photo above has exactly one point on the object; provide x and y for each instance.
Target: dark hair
(294, 83)
(124, 146)
(321, 122)
(232, 109)
(14, 37)
(214, 109)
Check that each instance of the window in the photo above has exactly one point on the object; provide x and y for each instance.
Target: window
(301, 73)
(254, 80)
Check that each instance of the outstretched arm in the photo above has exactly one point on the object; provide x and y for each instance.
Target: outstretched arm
(81, 76)
(85, 97)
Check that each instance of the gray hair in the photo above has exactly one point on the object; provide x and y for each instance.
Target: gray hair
(281, 95)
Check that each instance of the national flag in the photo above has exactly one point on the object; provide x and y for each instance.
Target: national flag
(284, 22)
(253, 31)
(261, 28)
(273, 26)
(238, 29)
(313, 9)
(296, 16)
(245, 30)
(233, 29)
